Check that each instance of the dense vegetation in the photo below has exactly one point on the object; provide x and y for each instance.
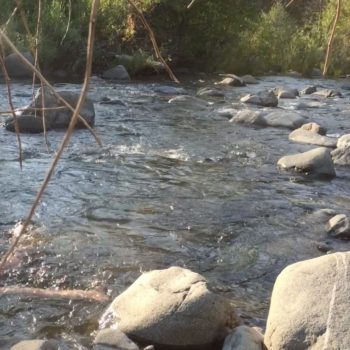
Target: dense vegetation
(231, 35)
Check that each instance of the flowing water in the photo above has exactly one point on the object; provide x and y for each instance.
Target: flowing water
(173, 184)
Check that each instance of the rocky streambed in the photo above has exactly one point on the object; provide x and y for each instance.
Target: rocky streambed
(187, 176)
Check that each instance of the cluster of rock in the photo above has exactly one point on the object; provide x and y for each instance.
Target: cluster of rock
(174, 308)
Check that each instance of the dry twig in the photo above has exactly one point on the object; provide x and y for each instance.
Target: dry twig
(153, 40)
(66, 139)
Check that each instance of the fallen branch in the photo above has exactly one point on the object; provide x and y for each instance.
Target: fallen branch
(191, 4)
(71, 294)
(330, 41)
(290, 3)
(153, 40)
(67, 136)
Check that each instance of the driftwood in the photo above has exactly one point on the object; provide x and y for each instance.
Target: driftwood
(71, 294)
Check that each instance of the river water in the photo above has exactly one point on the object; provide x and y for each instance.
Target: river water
(173, 184)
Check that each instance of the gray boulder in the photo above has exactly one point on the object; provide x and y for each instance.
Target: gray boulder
(113, 338)
(171, 307)
(327, 93)
(317, 162)
(344, 141)
(59, 118)
(286, 93)
(227, 112)
(249, 79)
(16, 68)
(308, 90)
(341, 155)
(308, 306)
(232, 80)
(339, 226)
(248, 116)
(116, 73)
(313, 138)
(263, 98)
(244, 338)
(284, 119)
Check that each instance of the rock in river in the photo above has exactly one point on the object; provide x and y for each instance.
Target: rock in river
(341, 155)
(113, 338)
(339, 226)
(16, 68)
(262, 98)
(317, 162)
(116, 73)
(244, 338)
(309, 306)
(56, 117)
(302, 135)
(39, 345)
(171, 307)
(281, 118)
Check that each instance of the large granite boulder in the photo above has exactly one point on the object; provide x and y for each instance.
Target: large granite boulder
(263, 98)
(309, 306)
(16, 68)
(57, 116)
(317, 162)
(171, 307)
(116, 73)
(310, 134)
(244, 338)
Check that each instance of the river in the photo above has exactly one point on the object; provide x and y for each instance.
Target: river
(173, 184)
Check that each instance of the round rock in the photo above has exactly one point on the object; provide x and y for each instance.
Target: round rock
(171, 307)
(308, 305)
(244, 338)
(263, 98)
(339, 226)
(317, 162)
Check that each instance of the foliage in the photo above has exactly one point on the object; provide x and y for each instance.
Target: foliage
(232, 35)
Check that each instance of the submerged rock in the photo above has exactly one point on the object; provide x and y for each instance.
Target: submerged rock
(339, 226)
(244, 338)
(116, 73)
(317, 162)
(210, 92)
(170, 90)
(171, 307)
(263, 98)
(56, 117)
(308, 305)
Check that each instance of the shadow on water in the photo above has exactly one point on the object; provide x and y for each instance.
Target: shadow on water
(173, 184)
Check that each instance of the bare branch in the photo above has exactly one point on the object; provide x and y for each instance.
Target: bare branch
(67, 137)
(153, 40)
(330, 41)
